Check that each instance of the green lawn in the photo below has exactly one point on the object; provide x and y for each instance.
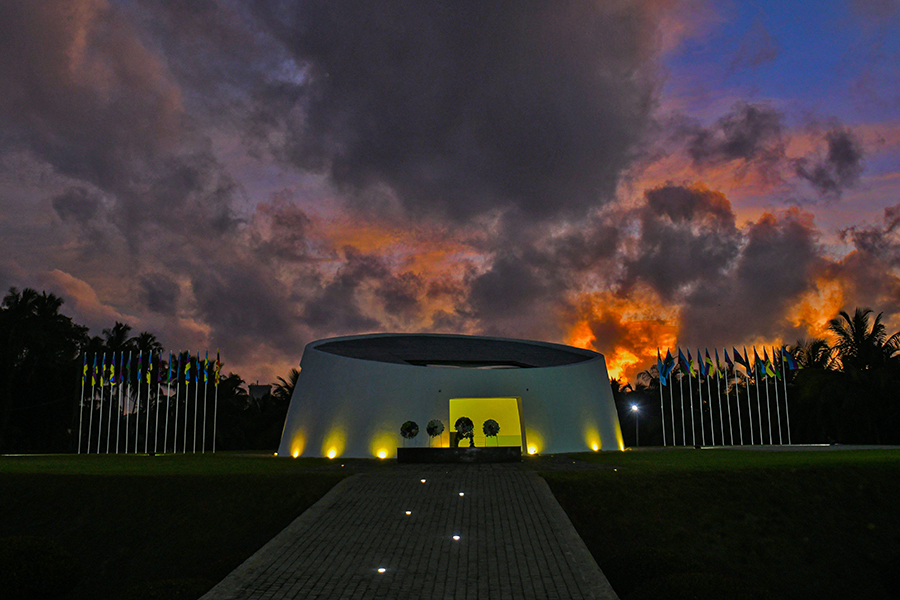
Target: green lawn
(736, 524)
(665, 524)
(146, 527)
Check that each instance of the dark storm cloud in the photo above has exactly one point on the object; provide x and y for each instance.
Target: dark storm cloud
(281, 232)
(80, 91)
(687, 235)
(750, 132)
(245, 309)
(882, 241)
(777, 264)
(463, 107)
(839, 169)
(870, 271)
(76, 204)
(341, 305)
(525, 291)
(160, 293)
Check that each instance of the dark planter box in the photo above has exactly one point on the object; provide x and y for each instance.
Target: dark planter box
(460, 455)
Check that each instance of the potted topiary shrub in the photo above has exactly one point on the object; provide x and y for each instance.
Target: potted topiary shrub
(409, 430)
(465, 429)
(434, 429)
(491, 428)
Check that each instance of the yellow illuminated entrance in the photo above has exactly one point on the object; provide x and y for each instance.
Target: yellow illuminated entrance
(506, 411)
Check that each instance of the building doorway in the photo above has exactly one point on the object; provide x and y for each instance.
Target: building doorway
(506, 411)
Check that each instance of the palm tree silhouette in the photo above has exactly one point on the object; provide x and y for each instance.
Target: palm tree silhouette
(284, 389)
(858, 346)
(814, 353)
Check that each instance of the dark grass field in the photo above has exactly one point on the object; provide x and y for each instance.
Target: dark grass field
(740, 524)
(144, 527)
(665, 524)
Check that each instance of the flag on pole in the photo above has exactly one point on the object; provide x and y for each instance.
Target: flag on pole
(94, 371)
(187, 370)
(149, 375)
(718, 364)
(683, 362)
(84, 370)
(103, 371)
(169, 376)
(112, 371)
(767, 364)
(709, 363)
(741, 360)
(789, 361)
(218, 369)
(729, 366)
(669, 363)
(206, 368)
(159, 370)
(197, 370)
(692, 366)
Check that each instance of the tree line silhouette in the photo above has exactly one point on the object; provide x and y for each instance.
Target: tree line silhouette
(41, 366)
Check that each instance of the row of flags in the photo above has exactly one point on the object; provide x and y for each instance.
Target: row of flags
(705, 368)
(109, 374)
(702, 367)
(110, 379)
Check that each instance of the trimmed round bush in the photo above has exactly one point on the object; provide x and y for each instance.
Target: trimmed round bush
(409, 430)
(490, 428)
(434, 428)
(464, 426)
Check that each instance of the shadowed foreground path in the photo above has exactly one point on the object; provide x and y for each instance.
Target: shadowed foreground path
(515, 541)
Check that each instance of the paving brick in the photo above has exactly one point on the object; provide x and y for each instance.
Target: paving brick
(515, 541)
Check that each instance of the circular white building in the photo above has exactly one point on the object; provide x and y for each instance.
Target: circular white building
(354, 393)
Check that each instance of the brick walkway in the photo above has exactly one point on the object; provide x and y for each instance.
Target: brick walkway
(515, 541)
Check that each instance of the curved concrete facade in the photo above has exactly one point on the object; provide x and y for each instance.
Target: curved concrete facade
(354, 392)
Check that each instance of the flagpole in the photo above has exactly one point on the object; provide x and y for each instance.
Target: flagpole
(216, 401)
(671, 405)
(81, 402)
(728, 401)
(681, 389)
(768, 405)
(147, 404)
(100, 409)
(205, 398)
(168, 400)
(786, 413)
(712, 425)
(158, 394)
(93, 392)
(777, 405)
(177, 402)
(196, 397)
(187, 399)
(758, 405)
(119, 405)
(749, 406)
(129, 397)
(137, 405)
(112, 380)
(712, 419)
(700, 398)
(693, 416)
(662, 411)
(719, 394)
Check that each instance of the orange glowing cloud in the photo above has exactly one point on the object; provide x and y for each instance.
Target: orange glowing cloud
(626, 330)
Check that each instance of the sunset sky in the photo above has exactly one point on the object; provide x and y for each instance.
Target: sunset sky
(621, 176)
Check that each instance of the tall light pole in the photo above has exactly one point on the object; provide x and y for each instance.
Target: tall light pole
(637, 439)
